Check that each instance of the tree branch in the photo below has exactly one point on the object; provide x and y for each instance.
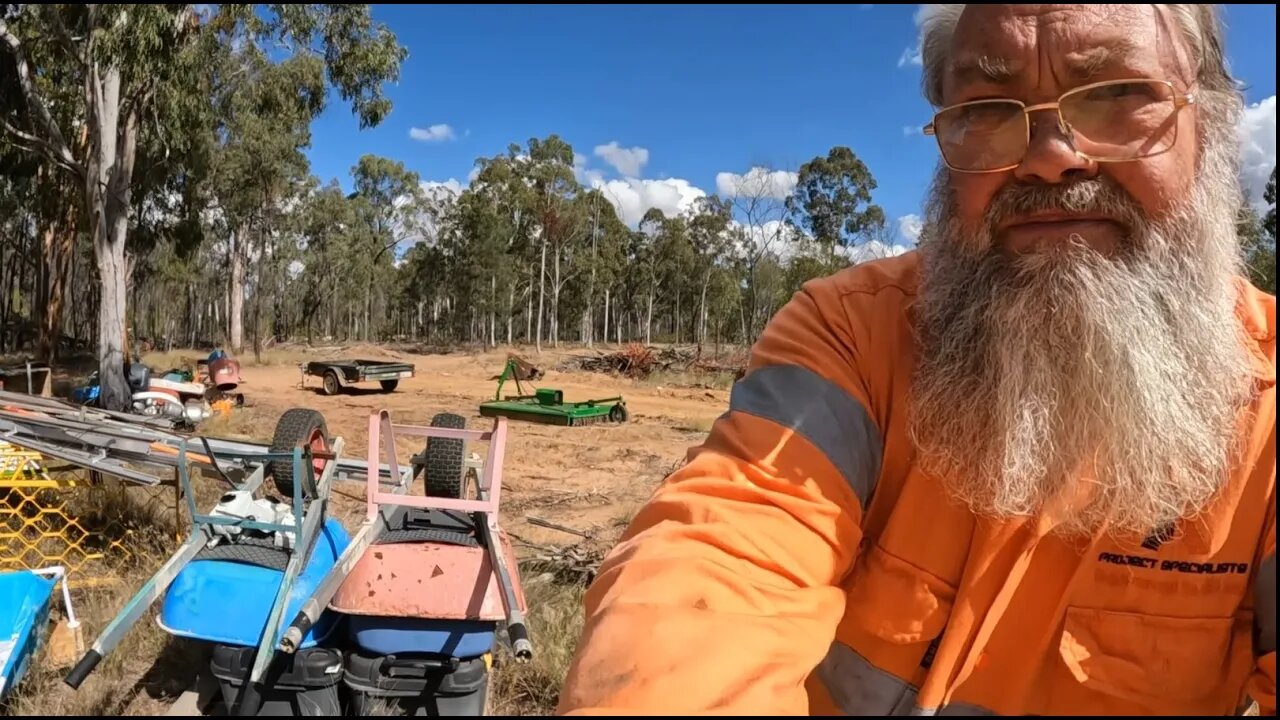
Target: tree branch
(55, 146)
(64, 36)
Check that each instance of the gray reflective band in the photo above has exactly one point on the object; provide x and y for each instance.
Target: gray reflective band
(834, 421)
(859, 688)
(1264, 606)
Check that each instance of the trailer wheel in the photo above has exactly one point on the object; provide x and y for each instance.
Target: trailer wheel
(331, 386)
(388, 385)
(298, 427)
(443, 459)
(618, 414)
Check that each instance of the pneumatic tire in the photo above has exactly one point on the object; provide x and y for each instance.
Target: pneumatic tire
(297, 427)
(444, 458)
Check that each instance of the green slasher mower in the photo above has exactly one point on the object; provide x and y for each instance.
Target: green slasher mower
(546, 405)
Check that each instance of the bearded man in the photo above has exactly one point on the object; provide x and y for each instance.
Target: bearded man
(1028, 468)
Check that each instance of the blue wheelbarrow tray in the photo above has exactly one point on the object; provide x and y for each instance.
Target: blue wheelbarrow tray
(24, 611)
(229, 601)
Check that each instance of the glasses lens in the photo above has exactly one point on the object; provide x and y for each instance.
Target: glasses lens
(982, 135)
(1122, 120)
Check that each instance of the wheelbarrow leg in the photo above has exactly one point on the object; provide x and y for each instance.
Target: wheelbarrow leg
(137, 605)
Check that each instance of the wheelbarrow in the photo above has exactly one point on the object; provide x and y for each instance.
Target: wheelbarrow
(427, 580)
(248, 565)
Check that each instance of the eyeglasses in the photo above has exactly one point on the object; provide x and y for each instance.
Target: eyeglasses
(1110, 121)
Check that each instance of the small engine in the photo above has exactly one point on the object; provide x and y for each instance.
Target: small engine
(239, 504)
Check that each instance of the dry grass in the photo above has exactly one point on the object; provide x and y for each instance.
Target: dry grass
(698, 425)
(709, 380)
(555, 624)
(148, 668)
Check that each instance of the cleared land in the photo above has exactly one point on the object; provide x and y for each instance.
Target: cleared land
(590, 479)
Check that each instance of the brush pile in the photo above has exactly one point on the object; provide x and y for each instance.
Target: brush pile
(638, 361)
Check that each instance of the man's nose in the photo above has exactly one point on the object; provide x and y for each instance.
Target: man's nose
(1050, 156)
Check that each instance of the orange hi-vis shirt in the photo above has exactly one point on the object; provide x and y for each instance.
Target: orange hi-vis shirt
(800, 563)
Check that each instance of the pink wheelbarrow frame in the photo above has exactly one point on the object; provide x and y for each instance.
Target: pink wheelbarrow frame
(424, 579)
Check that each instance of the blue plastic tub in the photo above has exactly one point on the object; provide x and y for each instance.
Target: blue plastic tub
(24, 611)
(228, 602)
(462, 639)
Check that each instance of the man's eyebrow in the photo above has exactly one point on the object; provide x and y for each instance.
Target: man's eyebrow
(1086, 64)
(985, 69)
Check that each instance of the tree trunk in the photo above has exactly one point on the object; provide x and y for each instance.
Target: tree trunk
(555, 303)
(511, 309)
(648, 321)
(108, 194)
(235, 292)
(257, 302)
(542, 291)
(702, 310)
(605, 334)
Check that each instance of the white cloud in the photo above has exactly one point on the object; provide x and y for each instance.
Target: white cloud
(771, 236)
(443, 190)
(627, 161)
(1258, 148)
(909, 227)
(758, 182)
(471, 176)
(435, 133)
(295, 269)
(913, 55)
(632, 197)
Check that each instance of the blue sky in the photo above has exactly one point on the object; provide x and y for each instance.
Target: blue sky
(662, 102)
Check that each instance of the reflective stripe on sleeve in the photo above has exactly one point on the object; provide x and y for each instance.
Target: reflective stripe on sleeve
(817, 409)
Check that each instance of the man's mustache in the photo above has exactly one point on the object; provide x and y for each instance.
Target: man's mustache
(1090, 195)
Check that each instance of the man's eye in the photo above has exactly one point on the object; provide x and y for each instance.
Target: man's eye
(1123, 91)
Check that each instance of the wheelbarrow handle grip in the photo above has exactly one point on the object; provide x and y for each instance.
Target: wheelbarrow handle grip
(520, 641)
(82, 669)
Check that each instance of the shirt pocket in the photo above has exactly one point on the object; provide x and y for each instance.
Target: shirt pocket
(1156, 661)
(894, 615)
(896, 612)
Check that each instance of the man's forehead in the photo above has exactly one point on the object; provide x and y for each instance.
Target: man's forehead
(998, 43)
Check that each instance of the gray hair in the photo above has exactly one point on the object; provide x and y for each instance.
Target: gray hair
(1218, 94)
(1201, 27)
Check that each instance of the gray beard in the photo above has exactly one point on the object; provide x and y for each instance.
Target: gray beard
(1122, 376)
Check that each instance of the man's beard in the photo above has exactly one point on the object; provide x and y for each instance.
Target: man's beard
(1122, 375)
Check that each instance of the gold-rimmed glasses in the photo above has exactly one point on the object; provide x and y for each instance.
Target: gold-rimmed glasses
(1108, 121)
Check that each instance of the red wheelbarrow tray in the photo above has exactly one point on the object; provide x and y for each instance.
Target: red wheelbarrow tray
(430, 580)
(426, 580)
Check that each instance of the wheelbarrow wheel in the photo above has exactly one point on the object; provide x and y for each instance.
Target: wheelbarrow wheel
(298, 427)
(444, 458)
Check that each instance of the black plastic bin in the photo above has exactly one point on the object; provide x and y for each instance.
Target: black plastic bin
(306, 683)
(415, 685)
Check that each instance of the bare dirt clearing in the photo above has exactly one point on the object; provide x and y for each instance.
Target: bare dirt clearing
(589, 479)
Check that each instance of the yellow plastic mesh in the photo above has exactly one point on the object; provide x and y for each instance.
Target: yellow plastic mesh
(73, 519)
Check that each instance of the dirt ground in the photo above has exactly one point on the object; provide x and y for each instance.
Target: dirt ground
(587, 479)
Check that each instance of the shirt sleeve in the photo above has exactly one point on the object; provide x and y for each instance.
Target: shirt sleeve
(723, 594)
(1262, 682)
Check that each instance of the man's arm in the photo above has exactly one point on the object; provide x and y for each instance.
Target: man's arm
(1262, 683)
(722, 595)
